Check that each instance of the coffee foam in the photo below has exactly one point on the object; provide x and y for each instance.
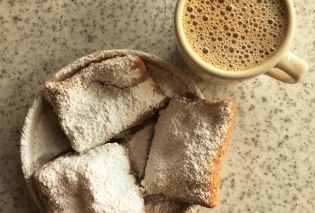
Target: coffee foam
(235, 35)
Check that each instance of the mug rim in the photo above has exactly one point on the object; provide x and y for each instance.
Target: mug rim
(207, 68)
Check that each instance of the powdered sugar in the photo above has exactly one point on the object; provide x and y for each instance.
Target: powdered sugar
(98, 181)
(49, 138)
(186, 149)
(160, 204)
(172, 83)
(139, 145)
(93, 106)
(121, 72)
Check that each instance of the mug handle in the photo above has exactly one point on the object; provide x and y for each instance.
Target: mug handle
(290, 69)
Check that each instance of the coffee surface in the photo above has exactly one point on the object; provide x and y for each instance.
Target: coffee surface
(235, 35)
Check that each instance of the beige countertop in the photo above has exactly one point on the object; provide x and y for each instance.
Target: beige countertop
(270, 163)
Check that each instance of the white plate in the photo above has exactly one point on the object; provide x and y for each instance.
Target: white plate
(42, 138)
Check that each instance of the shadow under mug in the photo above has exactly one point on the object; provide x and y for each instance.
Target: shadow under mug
(283, 65)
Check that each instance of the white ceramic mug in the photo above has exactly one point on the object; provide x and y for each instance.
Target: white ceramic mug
(283, 65)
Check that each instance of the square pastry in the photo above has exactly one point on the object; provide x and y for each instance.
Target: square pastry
(190, 139)
(97, 181)
(103, 99)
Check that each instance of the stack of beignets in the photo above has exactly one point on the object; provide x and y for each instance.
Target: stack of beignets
(175, 155)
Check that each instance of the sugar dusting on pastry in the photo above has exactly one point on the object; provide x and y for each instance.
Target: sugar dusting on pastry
(139, 145)
(98, 181)
(188, 144)
(161, 204)
(95, 105)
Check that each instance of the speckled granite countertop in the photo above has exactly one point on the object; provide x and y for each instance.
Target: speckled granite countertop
(270, 164)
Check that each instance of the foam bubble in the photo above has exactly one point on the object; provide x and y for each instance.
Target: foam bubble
(228, 8)
(190, 9)
(205, 50)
